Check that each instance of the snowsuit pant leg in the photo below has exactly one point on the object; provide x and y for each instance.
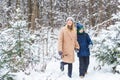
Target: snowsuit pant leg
(83, 65)
(86, 63)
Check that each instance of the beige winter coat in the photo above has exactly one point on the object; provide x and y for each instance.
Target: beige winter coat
(67, 42)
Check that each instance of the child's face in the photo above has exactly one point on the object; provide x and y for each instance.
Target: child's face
(81, 30)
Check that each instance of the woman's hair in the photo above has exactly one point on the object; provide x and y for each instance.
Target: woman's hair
(73, 27)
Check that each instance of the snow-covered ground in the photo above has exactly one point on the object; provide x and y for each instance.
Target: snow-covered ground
(53, 72)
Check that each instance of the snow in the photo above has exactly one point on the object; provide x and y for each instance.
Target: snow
(116, 15)
(53, 72)
(118, 68)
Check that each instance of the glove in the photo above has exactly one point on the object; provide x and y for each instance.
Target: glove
(60, 53)
(90, 46)
(76, 50)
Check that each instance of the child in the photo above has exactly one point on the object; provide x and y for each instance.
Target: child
(84, 53)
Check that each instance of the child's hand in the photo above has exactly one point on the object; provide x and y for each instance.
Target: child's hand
(90, 46)
(76, 50)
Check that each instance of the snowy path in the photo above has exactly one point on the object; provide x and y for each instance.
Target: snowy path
(53, 73)
(92, 74)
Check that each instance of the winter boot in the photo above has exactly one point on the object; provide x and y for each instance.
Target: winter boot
(69, 75)
(81, 77)
(61, 66)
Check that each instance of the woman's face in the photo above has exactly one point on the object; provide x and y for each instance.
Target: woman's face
(69, 23)
(81, 30)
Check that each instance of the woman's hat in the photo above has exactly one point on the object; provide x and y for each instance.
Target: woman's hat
(70, 18)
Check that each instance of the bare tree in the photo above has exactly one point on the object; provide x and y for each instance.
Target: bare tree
(51, 14)
(9, 3)
(17, 4)
(29, 3)
(35, 14)
(100, 11)
(91, 12)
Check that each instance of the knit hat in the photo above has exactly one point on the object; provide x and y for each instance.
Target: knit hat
(70, 18)
(79, 26)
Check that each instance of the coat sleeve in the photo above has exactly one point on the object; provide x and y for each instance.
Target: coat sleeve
(76, 42)
(60, 40)
(89, 40)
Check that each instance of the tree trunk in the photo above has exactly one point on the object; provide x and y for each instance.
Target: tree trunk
(17, 4)
(23, 4)
(42, 10)
(29, 3)
(35, 14)
(108, 10)
(67, 7)
(101, 11)
(91, 12)
(51, 15)
(9, 3)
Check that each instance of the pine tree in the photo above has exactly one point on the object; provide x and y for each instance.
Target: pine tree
(107, 50)
(14, 47)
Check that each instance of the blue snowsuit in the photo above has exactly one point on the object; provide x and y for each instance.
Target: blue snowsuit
(84, 53)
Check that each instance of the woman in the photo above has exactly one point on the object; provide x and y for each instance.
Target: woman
(67, 43)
